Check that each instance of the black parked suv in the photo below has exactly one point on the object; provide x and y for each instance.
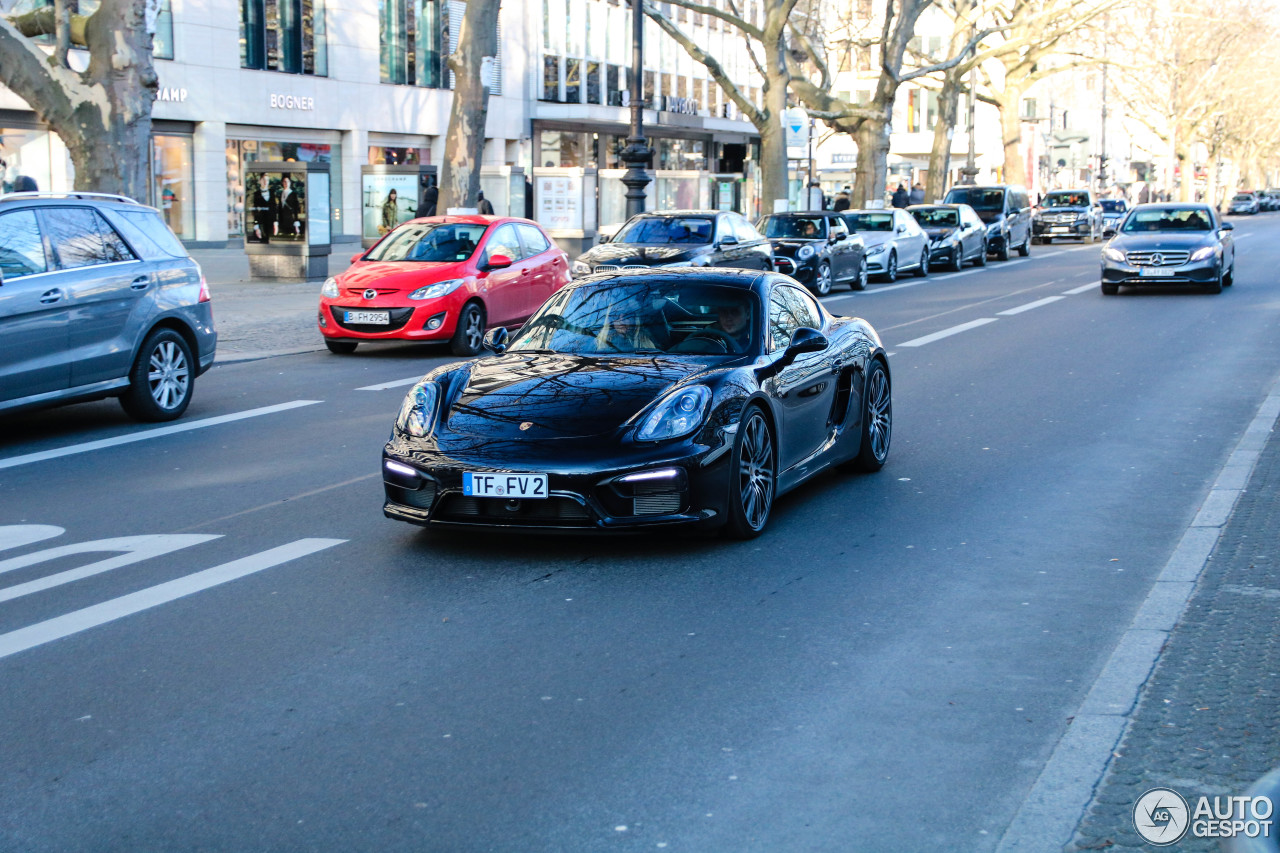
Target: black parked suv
(98, 299)
(1006, 210)
(680, 238)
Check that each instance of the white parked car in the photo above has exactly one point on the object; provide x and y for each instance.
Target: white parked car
(894, 241)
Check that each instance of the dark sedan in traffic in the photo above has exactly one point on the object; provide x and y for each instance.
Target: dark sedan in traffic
(816, 249)
(680, 238)
(1170, 244)
(956, 234)
(644, 400)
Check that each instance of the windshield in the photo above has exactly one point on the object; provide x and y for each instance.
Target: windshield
(429, 242)
(1243, 197)
(802, 227)
(667, 229)
(1112, 206)
(977, 198)
(654, 316)
(1066, 200)
(869, 221)
(937, 217)
(1175, 219)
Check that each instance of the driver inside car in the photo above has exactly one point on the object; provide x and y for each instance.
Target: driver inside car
(733, 321)
(624, 332)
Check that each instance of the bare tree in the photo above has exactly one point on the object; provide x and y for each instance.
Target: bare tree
(102, 114)
(464, 141)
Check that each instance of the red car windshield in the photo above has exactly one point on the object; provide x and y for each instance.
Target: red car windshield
(429, 242)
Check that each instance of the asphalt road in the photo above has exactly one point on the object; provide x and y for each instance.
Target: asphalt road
(266, 663)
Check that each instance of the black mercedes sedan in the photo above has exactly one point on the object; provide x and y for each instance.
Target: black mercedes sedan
(679, 238)
(641, 400)
(956, 234)
(1170, 244)
(816, 249)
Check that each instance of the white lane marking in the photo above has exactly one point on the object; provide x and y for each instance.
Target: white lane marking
(1051, 254)
(18, 535)
(45, 455)
(395, 383)
(135, 548)
(1048, 300)
(877, 290)
(1242, 236)
(1081, 289)
(126, 605)
(946, 333)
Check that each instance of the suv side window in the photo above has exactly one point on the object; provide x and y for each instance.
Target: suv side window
(148, 233)
(744, 230)
(82, 238)
(21, 248)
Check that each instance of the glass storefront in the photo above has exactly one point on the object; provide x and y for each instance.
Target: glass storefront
(173, 182)
(384, 155)
(26, 158)
(242, 151)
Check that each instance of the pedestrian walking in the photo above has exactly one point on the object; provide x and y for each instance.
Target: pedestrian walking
(427, 207)
(483, 205)
(841, 202)
(917, 194)
(901, 198)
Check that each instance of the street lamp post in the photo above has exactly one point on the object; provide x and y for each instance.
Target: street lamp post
(637, 154)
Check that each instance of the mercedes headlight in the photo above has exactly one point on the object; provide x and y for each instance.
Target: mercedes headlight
(806, 251)
(435, 291)
(417, 412)
(1113, 255)
(878, 249)
(679, 414)
(581, 268)
(1204, 253)
(330, 289)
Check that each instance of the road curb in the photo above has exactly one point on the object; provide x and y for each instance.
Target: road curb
(1057, 800)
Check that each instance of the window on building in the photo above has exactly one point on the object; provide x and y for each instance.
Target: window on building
(283, 35)
(573, 81)
(414, 41)
(562, 148)
(613, 86)
(172, 182)
(162, 42)
(551, 78)
(593, 82)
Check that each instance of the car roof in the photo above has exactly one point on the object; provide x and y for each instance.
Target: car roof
(1171, 205)
(468, 219)
(869, 210)
(1069, 190)
(935, 205)
(685, 212)
(726, 276)
(60, 199)
(807, 214)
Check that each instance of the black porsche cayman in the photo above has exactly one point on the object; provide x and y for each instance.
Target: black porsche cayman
(643, 399)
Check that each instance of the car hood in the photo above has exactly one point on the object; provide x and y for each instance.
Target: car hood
(1049, 211)
(875, 238)
(938, 232)
(1158, 242)
(989, 216)
(640, 254)
(398, 275)
(559, 396)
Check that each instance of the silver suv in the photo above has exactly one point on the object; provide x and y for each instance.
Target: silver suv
(98, 299)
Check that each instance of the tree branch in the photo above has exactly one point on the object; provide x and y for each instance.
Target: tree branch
(750, 110)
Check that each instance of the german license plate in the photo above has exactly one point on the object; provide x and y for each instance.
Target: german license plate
(369, 318)
(1059, 229)
(525, 486)
(1153, 272)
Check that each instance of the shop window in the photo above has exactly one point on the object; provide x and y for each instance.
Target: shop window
(173, 181)
(561, 148)
(551, 78)
(613, 86)
(380, 155)
(284, 35)
(413, 42)
(243, 151)
(593, 82)
(573, 81)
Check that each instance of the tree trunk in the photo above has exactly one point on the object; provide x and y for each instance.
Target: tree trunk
(873, 162)
(940, 155)
(464, 144)
(1011, 134)
(774, 171)
(103, 115)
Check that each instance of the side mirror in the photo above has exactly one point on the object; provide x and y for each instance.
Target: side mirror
(1228, 226)
(498, 262)
(729, 240)
(495, 340)
(902, 229)
(602, 238)
(357, 256)
(803, 340)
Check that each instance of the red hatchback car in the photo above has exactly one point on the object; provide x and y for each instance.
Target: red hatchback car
(442, 278)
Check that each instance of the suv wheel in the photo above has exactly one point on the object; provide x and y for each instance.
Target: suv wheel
(1025, 248)
(161, 379)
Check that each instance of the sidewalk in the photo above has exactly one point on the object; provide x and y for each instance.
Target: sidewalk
(1207, 722)
(257, 319)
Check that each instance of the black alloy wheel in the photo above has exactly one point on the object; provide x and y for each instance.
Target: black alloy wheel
(923, 269)
(1025, 248)
(822, 279)
(981, 260)
(469, 335)
(957, 258)
(891, 267)
(161, 379)
(753, 477)
(860, 281)
(341, 347)
(1110, 289)
(877, 421)
(1002, 254)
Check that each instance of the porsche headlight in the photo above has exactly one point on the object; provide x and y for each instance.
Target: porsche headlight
(877, 249)
(435, 291)
(1113, 255)
(330, 289)
(417, 412)
(679, 414)
(581, 268)
(806, 251)
(1204, 254)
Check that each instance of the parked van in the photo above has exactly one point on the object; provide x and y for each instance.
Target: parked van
(1005, 209)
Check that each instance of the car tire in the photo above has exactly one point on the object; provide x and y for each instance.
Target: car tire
(341, 347)
(161, 379)
(822, 279)
(1230, 278)
(1110, 289)
(891, 267)
(957, 258)
(1025, 248)
(469, 335)
(981, 260)
(753, 476)
(860, 280)
(1003, 253)
(877, 421)
(923, 269)
(1215, 286)
(1046, 240)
